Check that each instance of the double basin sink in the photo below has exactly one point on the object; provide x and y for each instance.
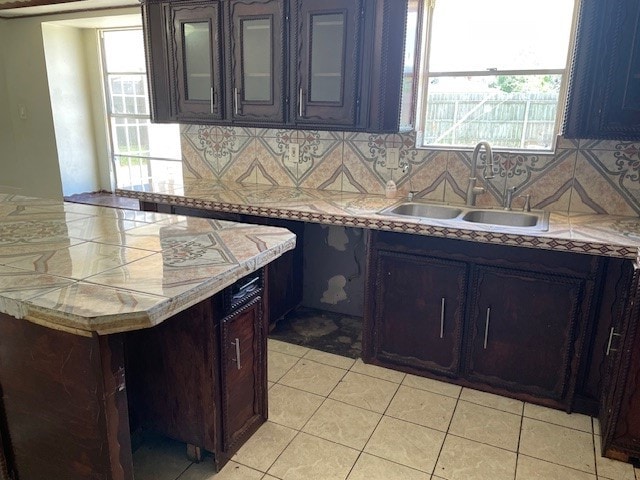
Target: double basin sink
(535, 220)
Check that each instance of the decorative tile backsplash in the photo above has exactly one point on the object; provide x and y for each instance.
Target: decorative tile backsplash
(589, 176)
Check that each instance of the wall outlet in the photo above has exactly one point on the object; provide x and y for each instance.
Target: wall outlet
(393, 158)
(294, 154)
(22, 111)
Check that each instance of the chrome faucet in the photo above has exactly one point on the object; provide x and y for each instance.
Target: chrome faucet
(508, 199)
(412, 192)
(487, 172)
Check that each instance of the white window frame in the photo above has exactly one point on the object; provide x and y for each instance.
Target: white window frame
(424, 76)
(110, 114)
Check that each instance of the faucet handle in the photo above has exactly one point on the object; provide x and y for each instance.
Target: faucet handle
(488, 168)
(527, 202)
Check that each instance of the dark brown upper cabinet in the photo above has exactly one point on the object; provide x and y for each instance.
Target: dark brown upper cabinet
(604, 90)
(327, 49)
(195, 68)
(336, 64)
(257, 36)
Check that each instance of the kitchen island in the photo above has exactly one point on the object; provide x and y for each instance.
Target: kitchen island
(116, 321)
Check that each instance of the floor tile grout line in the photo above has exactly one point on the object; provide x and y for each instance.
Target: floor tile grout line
(558, 425)
(557, 464)
(185, 470)
(595, 451)
(489, 406)
(515, 472)
(387, 460)
(371, 435)
(379, 378)
(446, 434)
(277, 457)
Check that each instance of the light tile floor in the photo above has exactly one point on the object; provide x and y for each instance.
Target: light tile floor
(332, 417)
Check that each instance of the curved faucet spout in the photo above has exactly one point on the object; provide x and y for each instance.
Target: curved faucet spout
(487, 172)
(488, 164)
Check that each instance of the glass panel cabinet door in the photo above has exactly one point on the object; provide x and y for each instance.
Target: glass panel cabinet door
(196, 60)
(329, 58)
(257, 35)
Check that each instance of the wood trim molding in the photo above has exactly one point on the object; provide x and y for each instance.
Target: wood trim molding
(6, 4)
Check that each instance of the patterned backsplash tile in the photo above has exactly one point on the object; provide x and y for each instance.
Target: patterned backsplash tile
(587, 176)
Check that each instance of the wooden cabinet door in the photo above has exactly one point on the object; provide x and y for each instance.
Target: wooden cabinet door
(257, 33)
(523, 332)
(243, 369)
(419, 310)
(195, 61)
(327, 59)
(620, 400)
(605, 84)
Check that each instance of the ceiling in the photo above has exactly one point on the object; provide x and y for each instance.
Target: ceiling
(23, 8)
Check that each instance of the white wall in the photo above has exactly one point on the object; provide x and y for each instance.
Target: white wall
(32, 162)
(96, 92)
(34, 167)
(7, 146)
(71, 107)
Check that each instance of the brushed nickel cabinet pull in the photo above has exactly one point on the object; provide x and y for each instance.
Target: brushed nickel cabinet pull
(211, 99)
(612, 334)
(235, 100)
(442, 319)
(486, 327)
(237, 359)
(300, 103)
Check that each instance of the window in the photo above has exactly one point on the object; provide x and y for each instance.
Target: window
(494, 70)
(141, 152)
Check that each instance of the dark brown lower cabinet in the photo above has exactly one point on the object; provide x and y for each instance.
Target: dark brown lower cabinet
(525, 331)
(419, 312)
(70, 404)
(200, 377)
(508, 320)
(63, 404)
(620, 400)
(244, 398)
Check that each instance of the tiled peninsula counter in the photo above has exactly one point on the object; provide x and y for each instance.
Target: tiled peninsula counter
(549, 317)
(115, 321)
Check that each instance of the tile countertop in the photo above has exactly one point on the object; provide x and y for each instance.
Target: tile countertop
(606, 235)
(84, 269)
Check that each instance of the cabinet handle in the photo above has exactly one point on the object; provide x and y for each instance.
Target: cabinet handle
(300, 103)
(235, 100)
(211, 99)
(612, 334)
(237, 359)
(486, 327)
(442, 319)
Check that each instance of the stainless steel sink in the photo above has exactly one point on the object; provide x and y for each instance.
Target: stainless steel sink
(536, 220)
(496, 217)
(414, 209)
